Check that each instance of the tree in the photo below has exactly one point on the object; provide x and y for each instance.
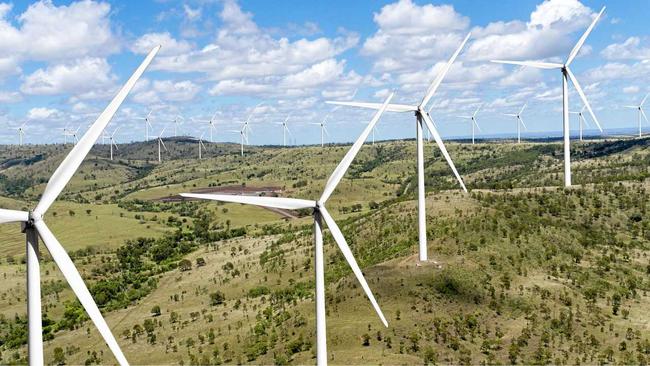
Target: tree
(366, 340)
(200, 262)
(217, 298)
(184, 265)
(59, 356)
(155, 311)
(616, 303)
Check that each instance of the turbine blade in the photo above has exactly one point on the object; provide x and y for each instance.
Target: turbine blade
(643, 101)
(390, 108)
(163, 144)
(477, 126)
(644, 116)
(510, 114)
(438, 80)
(343, 166)
(443, 149)
(72, 276)
(522, 122)
(275, 202)
(581, 41)
(522, 108)
(349, 257)
(537, 64)
(7, 216)
(71, 163)
(582, 95)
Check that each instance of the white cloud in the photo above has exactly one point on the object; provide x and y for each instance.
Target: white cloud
(170, 46)
(630, 49)
(190, 13)
(548, 33)
(49, 32)
(632, 89)
(10, 97)
(158, 91)
(79, 77)
(41, 113)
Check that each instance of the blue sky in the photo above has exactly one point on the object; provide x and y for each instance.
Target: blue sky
(62, 61)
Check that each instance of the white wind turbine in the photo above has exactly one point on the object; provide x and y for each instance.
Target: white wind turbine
(323, 130)
(581, 119)
(161, 143)
(147, 125)
(246, 126)
(520, 121)
(641, 112)
(201, 145)
(111, 141)
(211, 125)
(566, 75)
(285, 129)
(33, 226)
(177, 121)
(74, 134)
(422, 117)
(320, 212)
(21, 133)
(473, 122)
(242, 138)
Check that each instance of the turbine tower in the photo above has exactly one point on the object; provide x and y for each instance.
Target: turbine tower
(161, 143)
(566, 75)
(111, 141)
(422, 117)
(147, 125)
(323, 130)
(581, 120)
(201, 145)
(21, 133)
(33, 226)
(473, 122)
(641, 112)
(320, 213)
(177, 121)
(520, 122)
(285, 129)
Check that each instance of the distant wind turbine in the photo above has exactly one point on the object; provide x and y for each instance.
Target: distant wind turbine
(34, 226)
(422, 117)
(111, 138)
(520, 121)
(161, 143)
(323, 130)
(177, 121)
(147, 125)
(641, 112)
(581, 119)
(285, 129)
(319, 213)
(566, 75)
(201, 145)
(473, 122)
(21, 133)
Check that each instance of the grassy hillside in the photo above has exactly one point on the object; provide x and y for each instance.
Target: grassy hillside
(524, 272)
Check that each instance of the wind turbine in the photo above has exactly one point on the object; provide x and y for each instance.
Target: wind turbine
(319, 212)
(323, 130)
(177, 121)
(639, 108)
(246, 128)
(201, 145)
(33, 226)
(520, 122)
(65, 135)
(473, 122)
(74, 135)
(285, 129)
(147, 125)
(242, 137)
(566, 75)
(111, 139)
(581, 119)
(161, 143)
(422, 117)
(21, 133)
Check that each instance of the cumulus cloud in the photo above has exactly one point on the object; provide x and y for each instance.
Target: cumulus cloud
(548, 33)
(157, 91)
(42, 113)
(630, 49)
(49, 32)
(78, 77)
(170, 46)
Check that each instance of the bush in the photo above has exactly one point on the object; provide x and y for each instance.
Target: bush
(217, 298)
